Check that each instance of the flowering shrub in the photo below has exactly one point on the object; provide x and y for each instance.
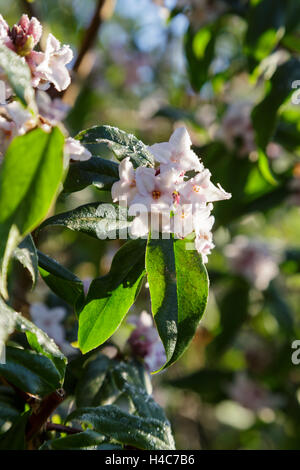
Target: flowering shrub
(77, 351)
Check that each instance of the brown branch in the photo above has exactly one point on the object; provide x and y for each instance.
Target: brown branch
(62, 428)
(40, 416)
(90, 34)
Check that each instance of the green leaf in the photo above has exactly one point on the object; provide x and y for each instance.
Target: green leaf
(111, 421)
(96, 171)
(38, 339)
(61, 281)
(11, 406)
(178, 284)
(110, 297)
(29, 180)
(87, 440)
(26, 254)
(120, 143)
(98, 219)
(14, 438)
(30, 371)
(92, 378)
(18, 74)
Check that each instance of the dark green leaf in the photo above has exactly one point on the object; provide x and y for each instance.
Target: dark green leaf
(143, 433)
(14, 438)
(26, 254)
(61, 281)
(120, 143)
(87, 440)
(98, 219)
(96, 171)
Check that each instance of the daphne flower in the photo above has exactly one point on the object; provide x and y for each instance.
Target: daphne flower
(4, 29)
(145, 343)
(254, 260)
(125, 188)
(76, 151)
(200, 189)
(54, 111)
(154, 192)
(176, 153)
(50, 67)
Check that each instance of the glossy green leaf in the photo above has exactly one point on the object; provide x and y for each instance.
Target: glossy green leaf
(86, 440)
(178, 284)
(96, 171)
(38, 339)
(30, 371)
(120, 143)
(14, 438)
(61, 281)
(110, 297)
(98, 219)
(29, 180)
(26, 254)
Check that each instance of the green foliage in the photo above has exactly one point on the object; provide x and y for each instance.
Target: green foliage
(178, 286)
(97, 219)
(27, 188)
(120, 143)
(96, 171)
(110, 297)
(61, 281)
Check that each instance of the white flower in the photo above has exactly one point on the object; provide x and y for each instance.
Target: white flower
(76, 151)
(162, 199)
(4, 29)
(50, 66)
(176, 153)
(145, 343)
(155, 192)
(254, 260)
(200, 189)
(125, 188)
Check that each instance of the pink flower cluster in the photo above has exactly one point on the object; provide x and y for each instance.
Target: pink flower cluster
(48, 67)
(254, 260)
(177, 195)
(145, 343)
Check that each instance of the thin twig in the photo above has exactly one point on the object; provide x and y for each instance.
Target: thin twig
(62, 428)
(90, 34)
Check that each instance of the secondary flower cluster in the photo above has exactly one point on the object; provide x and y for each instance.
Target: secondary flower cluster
(48, 67)
(254, 260)
(177, 195)
(145, 343)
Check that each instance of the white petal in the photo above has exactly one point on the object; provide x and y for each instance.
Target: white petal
(180, 140)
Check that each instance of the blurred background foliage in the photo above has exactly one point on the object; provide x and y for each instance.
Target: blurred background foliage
(224, 69)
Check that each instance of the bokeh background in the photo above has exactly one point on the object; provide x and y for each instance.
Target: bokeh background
(224, 69)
